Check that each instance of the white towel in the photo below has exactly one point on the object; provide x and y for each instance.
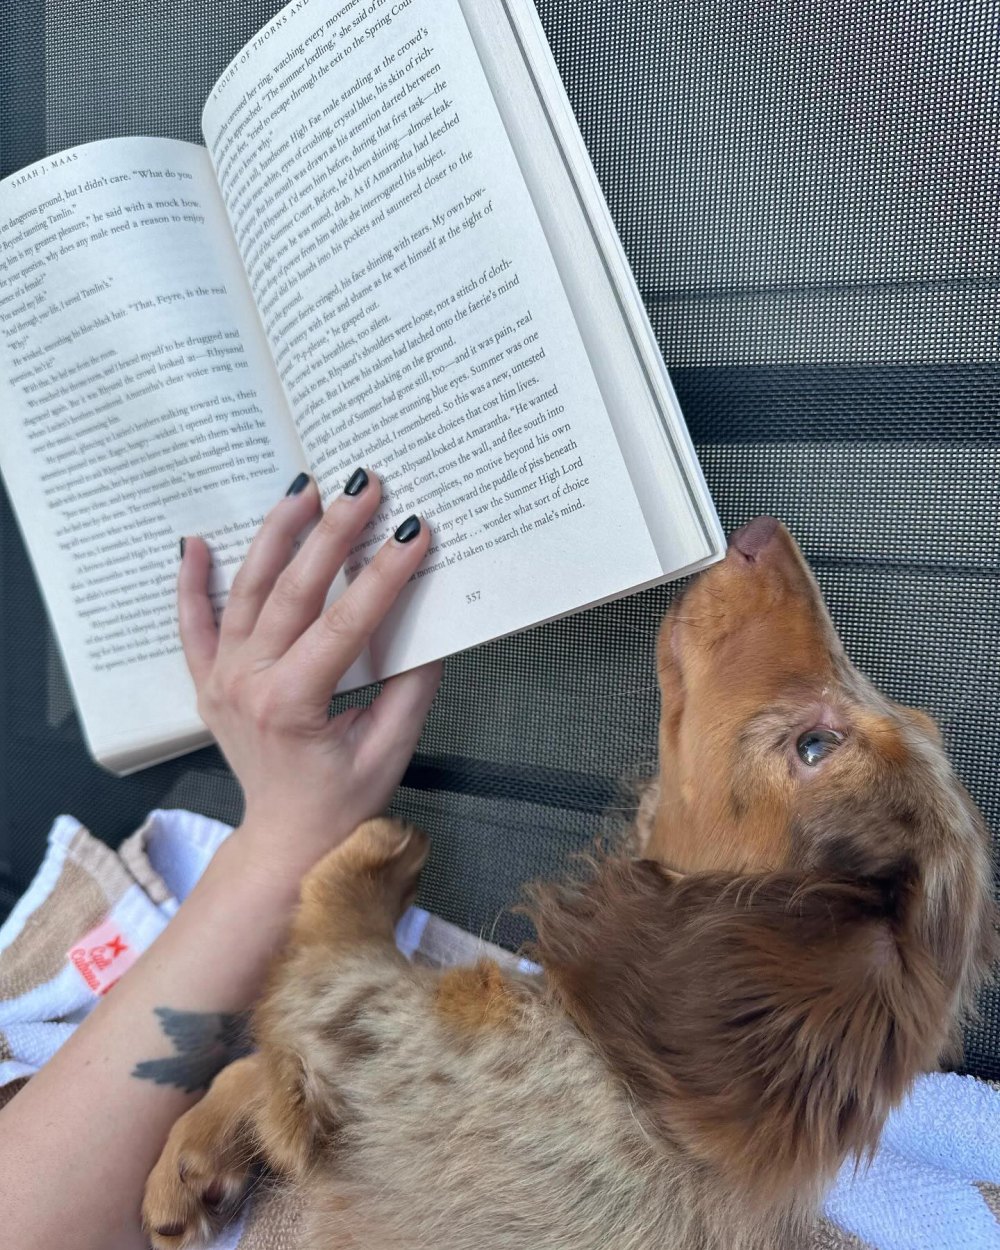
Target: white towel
(935, 1181)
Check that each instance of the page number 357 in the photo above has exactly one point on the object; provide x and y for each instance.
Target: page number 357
(474, 596)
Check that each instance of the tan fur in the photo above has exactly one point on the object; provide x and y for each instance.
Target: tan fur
(722, 1022)
(476, 998)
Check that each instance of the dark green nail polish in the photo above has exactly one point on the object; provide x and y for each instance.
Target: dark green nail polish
(183, 543)
(356, 483)
(408, 530)
(299, 485)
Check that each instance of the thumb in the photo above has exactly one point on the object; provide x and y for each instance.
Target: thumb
(396, 719)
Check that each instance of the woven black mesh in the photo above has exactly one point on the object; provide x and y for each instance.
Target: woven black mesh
(808, 196)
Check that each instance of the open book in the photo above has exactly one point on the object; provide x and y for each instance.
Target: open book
(393, 253)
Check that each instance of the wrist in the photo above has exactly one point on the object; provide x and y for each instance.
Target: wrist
(253, 874)
(274, 855)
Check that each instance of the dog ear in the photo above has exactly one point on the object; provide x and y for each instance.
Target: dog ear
(764, 1025)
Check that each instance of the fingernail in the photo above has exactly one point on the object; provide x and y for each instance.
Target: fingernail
(183, 545)
(356, 482)
(408, 530)
(298, 486)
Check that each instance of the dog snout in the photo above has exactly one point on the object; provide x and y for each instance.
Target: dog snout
(754, 539)
(766, 551)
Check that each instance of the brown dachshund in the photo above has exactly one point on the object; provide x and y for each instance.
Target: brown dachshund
(727, 1013)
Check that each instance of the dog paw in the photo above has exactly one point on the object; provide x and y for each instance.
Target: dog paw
(392, 853)
(387, 844)
(190, 1195)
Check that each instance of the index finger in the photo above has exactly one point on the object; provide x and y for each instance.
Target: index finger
(323, 654)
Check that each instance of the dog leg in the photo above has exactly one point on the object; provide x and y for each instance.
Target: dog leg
(203, 1172)
(358, 892)
(267, 1107)
(351, 900)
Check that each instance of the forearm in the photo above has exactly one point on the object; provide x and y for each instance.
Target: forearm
(77, 1143)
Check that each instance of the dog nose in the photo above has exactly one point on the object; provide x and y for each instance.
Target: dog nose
(753, 538)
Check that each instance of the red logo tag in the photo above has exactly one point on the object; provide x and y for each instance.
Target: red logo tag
(103, 956)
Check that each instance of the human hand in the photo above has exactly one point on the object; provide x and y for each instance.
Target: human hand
(264, 678)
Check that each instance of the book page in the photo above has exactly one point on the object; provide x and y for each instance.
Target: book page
(417, 319)
(137, 404)
(609, 308)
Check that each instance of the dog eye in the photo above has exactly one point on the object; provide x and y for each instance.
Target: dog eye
(816, 745)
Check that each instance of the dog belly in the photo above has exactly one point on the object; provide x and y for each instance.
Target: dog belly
(512, 1134)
